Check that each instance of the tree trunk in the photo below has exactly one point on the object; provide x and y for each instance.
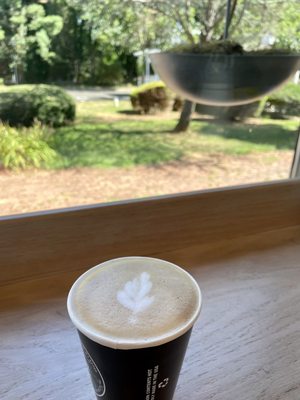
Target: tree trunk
(185, 116)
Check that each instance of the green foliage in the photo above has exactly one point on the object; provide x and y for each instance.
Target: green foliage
(125, 143)
(284, 102)
(150, 97)
(254, 19)
(24, 148)
(288, 29)
(93, 42)
(233, 113)
(103, 35)
(125, 24)
(26, 29)
(147, 86)
(105, 71)
(288, 93)
(279, 104)
(24, 104)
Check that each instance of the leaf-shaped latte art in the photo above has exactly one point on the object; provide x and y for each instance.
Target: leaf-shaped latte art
(134, 294)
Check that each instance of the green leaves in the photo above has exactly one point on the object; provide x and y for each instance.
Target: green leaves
(24, 148)
(27, 29)
(23, 104)
(127, 24)
(256, 18)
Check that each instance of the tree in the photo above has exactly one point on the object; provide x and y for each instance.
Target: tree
(125, 23)
(26, 29)
(72, 47)
(277, 18)
(118, 28)
(288, 28)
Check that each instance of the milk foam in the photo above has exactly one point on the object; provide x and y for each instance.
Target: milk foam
(134, 302)
(134, 295)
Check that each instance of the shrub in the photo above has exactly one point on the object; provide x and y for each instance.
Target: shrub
(24, 148)
(284, 102)
(150, 97)
(24, 104)
(233, 113)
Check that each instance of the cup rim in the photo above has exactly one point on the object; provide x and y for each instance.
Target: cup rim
(130, 344)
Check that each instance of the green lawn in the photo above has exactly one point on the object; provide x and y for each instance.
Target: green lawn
(104, 136)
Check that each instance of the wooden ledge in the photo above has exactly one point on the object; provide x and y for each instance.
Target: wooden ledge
(39, 244)
(243, 247)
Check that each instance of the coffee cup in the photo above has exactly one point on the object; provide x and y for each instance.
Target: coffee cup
(134, 317)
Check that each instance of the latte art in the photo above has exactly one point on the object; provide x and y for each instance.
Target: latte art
(134, 302)
(134, 295)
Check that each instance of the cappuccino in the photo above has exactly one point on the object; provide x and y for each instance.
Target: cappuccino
(134, 302)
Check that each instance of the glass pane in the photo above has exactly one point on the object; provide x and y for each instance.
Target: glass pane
(122, 143)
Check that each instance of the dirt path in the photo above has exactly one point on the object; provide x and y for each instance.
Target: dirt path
(41, 190)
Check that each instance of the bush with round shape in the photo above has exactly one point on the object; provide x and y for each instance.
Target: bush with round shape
(230, 113)
(284, 102)
(22, 105)
(150, 97)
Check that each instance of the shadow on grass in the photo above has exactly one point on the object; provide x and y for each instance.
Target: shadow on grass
(279, 136)
(129, 112)
(107, 145)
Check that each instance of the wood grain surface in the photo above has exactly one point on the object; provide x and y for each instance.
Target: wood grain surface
(243, 247)
(68, 240)
(245, 345)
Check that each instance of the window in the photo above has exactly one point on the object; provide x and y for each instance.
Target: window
(121, 142)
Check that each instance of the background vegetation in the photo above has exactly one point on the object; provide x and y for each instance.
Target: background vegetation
(24, 104)
(105, 136)
(93, 42)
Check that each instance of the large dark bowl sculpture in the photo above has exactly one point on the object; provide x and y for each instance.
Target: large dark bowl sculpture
(224, 80)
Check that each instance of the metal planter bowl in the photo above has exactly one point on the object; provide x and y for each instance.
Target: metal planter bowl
(224, 80)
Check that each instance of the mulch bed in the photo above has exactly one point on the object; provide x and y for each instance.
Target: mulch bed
(35, 190)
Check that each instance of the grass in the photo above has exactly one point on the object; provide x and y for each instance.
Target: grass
(91, 110)
(120, 144)
(105, 136)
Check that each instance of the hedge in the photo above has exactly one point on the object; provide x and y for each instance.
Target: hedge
(22, 105)
(284, 102)
(150, 97)
(233, 113)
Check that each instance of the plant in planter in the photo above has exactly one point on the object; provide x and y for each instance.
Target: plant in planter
(222, 73)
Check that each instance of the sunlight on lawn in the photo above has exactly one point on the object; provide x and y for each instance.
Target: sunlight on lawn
(106, 136)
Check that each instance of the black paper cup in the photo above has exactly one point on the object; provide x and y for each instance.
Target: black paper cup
(139, 371)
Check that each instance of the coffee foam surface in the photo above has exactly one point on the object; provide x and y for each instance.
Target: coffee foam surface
(134, 302)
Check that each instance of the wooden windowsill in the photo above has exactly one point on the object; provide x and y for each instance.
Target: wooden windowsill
(243, 247)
